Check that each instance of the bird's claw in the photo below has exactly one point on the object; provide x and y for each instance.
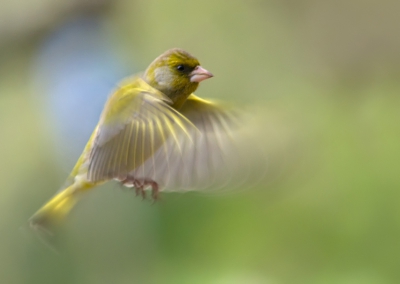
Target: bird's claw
(141, 185)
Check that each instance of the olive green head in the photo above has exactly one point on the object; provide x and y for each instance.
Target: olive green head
(176, 73)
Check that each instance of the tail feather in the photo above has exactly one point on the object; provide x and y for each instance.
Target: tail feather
(55, 209)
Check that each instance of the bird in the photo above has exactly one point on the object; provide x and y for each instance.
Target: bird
(155, 134)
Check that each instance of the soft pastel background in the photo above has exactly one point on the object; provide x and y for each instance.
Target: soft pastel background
(327, 74)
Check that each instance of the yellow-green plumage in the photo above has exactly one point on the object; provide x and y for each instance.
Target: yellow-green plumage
(152, 129)
(179, 87)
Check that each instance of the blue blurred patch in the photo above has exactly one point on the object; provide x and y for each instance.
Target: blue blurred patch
(75, 70)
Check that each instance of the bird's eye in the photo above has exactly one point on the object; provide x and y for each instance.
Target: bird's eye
(181, 68)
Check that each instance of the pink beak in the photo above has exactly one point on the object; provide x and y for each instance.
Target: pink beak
(199, 74)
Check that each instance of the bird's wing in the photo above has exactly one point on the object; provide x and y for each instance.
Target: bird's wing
(135, 124)
(214, 157)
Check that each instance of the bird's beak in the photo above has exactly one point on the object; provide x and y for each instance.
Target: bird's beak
(199, 74)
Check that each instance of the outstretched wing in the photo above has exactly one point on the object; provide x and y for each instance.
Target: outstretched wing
(214, 157)
(135, 124)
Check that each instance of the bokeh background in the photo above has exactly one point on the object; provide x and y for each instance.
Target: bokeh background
(327, 75)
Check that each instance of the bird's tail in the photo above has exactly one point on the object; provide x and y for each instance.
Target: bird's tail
(56, 208)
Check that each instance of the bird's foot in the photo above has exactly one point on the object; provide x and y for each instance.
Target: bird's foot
(141, 185)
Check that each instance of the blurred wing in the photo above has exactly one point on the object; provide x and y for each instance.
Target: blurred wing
(216, 156)
(135, 124)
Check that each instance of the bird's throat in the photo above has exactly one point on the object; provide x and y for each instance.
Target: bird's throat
(178, 96)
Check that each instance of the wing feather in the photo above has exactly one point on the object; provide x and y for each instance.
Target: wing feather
(131, 132)
(210, 156)
(199, 147)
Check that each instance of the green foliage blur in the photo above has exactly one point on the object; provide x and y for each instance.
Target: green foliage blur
(327, 74)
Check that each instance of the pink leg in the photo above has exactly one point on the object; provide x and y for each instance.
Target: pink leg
(139, 189)
(154, 190)
(140, 186)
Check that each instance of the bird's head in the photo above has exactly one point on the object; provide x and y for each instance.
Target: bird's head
(177, 74)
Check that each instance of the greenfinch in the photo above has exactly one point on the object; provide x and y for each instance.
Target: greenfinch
(154, 133)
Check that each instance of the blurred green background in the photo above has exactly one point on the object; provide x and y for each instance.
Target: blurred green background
(328, 76)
